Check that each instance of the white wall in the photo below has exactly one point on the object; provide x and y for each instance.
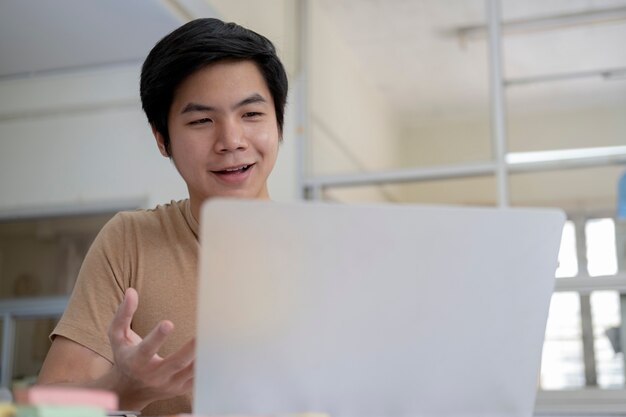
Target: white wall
(79, 139)
(352, 126)
(274, 19)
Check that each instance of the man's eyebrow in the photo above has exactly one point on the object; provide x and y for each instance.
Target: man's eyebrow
(191, 107)
(254, 98)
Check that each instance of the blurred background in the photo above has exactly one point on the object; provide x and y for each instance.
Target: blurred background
(392, 101)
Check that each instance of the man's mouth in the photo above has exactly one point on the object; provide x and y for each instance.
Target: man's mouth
(234, 170)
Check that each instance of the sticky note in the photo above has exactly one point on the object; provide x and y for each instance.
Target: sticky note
(53, 395)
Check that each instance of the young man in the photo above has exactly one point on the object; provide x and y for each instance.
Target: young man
(214, 94)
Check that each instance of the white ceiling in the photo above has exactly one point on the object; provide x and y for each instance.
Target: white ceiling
(407, 47)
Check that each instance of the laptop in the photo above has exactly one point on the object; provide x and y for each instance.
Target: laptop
(372, 310)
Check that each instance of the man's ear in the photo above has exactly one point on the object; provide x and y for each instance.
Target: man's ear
(160, 142)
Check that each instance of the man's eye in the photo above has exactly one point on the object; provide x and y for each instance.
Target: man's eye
(252, 114)
(200, 121)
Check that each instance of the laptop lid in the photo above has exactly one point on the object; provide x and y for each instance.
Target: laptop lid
(378, 310)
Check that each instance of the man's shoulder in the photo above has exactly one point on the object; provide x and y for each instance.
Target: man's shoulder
(151, 221)
(173, 209)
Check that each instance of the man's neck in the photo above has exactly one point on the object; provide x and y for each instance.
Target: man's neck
(196, 203)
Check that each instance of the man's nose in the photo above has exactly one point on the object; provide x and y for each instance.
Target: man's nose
(230, 137)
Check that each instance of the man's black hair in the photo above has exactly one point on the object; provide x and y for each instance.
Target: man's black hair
(195, 45)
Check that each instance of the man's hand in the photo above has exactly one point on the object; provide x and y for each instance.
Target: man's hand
(139, 375)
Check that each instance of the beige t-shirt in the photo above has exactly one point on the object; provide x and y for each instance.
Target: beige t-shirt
(154, 251)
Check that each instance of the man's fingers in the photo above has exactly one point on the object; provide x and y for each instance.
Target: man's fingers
(184, 378)
(124, 315)
(151, 344)
(182, 358)
(188, 386)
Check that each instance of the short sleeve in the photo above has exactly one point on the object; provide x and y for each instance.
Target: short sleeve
(98, 291)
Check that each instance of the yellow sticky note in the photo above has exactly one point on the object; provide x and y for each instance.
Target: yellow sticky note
(7, 409)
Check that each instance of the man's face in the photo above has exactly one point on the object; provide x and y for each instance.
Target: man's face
(223, 132)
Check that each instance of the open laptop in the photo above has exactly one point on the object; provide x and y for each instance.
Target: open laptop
(379, 310)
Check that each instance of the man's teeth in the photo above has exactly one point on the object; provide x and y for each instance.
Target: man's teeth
(236, 169)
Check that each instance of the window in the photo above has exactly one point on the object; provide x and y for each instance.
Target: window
(562, 359)
(605, 314)
(582, 345)
(601, 254)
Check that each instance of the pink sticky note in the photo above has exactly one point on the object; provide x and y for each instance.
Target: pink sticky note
(49, 395)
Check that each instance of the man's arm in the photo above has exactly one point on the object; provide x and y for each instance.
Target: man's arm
(71, 362)
(138, 375)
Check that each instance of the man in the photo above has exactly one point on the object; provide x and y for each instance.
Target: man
(214, 94)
